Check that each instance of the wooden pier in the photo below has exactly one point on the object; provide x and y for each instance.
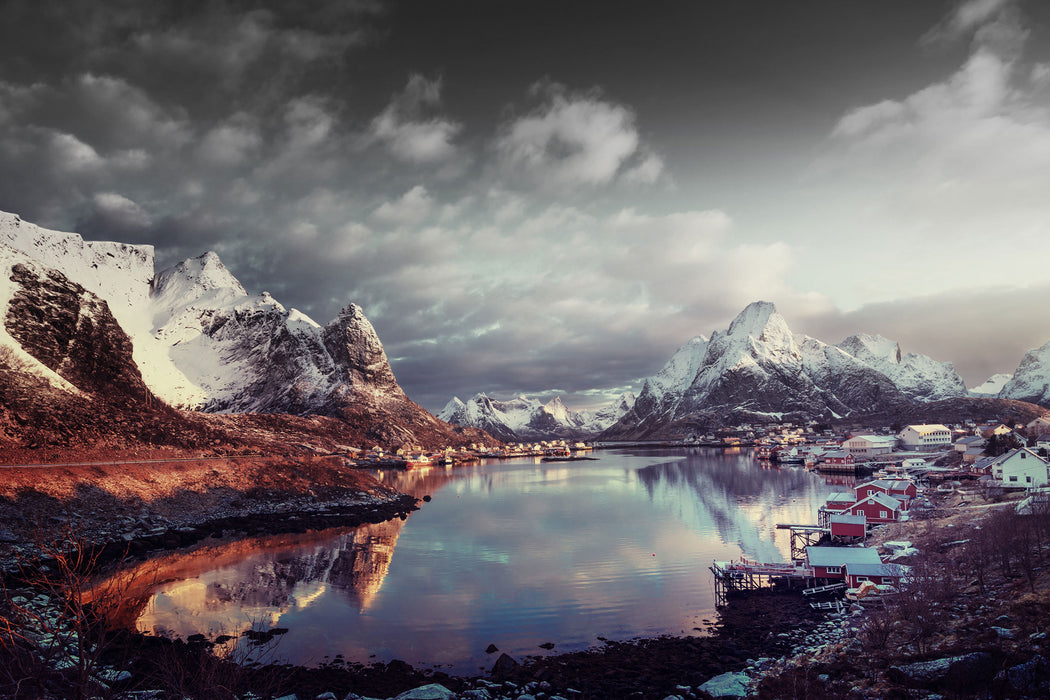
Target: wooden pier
(744, 575)
(803, 536)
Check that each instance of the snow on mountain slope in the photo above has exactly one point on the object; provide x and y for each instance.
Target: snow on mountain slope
(1031, 379)
(991, 386)
(119, 273)
(755, 368)
(918, 376)
(522, 418)
(201, 341)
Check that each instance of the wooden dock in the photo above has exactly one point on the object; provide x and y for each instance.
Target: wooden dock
(744, 575)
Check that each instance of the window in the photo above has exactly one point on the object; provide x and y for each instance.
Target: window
(883, 514)
(861, 578)
(1013, 478)
(834, 569)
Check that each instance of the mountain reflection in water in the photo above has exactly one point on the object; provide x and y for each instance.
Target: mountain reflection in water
(515, 553)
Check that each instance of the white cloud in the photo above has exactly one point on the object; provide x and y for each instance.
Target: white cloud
(573, 139)
(73, 155)
(407, 134)
(410, 209)
(120, 211)
(230, 143)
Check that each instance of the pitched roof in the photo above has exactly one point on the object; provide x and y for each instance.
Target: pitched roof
(848, 519)
(841, 556)
(871, 569)
(882, 499)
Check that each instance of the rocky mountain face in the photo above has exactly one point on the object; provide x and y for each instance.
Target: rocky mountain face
(917, 376)
(523, 419)
(87, 319)
(1031, 380)
(758, 370)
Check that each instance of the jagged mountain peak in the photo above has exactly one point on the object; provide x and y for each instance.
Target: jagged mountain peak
(867, 346)
(1031, 380)
(759, 320)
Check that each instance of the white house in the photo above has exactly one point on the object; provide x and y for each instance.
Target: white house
(1039, 425)
(925, 437)
(1021, 467)
(870, 445)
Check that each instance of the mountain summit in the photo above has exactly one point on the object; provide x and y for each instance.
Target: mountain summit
(758, 369)
(91, 317)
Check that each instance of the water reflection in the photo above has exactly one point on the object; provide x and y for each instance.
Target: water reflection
(515, 554)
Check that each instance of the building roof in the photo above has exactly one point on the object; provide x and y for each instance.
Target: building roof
(841, 496)
(871, 569)
(928, 428)
(878, 439)
(970, 440)
(841, 556)
(847, 519)
(882, 499)
(837, 454)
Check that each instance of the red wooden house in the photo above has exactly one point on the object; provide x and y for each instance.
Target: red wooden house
(848, 527)
(901, 489)
(882, 574)
(878, 508)
(839, 458)
(831, 562)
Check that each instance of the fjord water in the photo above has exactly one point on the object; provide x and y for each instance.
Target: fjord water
(515, 553)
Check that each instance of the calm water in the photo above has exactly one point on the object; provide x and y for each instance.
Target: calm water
(512, 553)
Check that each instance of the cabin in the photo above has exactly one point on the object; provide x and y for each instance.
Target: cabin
(903, 490)
(839, 458)
(880, 574)
(965, 443)
(840, 500)
(925, 436)
(1020, 468)
(848, 528)
(998, 429)
(878, 508)
(830, 562)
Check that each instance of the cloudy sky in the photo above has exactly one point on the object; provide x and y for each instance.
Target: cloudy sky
(550, 197)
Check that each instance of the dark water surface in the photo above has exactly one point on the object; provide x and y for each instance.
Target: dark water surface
(514, 553)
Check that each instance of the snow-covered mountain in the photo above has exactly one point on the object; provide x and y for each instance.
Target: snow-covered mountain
(522, 419)
(1031, 380)
(196, 339)
(991, 386)
(917, 376)
(758, 369)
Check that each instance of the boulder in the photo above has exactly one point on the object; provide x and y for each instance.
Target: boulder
(727, 685)
(967, 671)
(434, 691)
(1032, 678)
(505, 665)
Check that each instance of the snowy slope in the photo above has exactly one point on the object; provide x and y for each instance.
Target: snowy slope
(200, 340)
(918, 376)
(991, 386)
(1031, 379)
(523, 418)
(758, 368)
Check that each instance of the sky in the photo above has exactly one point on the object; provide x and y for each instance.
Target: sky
(549, 198)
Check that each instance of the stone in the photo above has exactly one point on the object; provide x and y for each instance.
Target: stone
(1031, 678)
(326, 696)
(434, 691)
(727, 685)
(504, 665)
(1003, 633)
(967, 671)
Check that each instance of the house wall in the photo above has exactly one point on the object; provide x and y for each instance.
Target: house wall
(875, 512)
(848, 529)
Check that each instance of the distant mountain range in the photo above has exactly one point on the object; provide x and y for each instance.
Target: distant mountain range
(758, 370)
(523, 419)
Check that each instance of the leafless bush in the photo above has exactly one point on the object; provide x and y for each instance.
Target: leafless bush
(53, 631)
